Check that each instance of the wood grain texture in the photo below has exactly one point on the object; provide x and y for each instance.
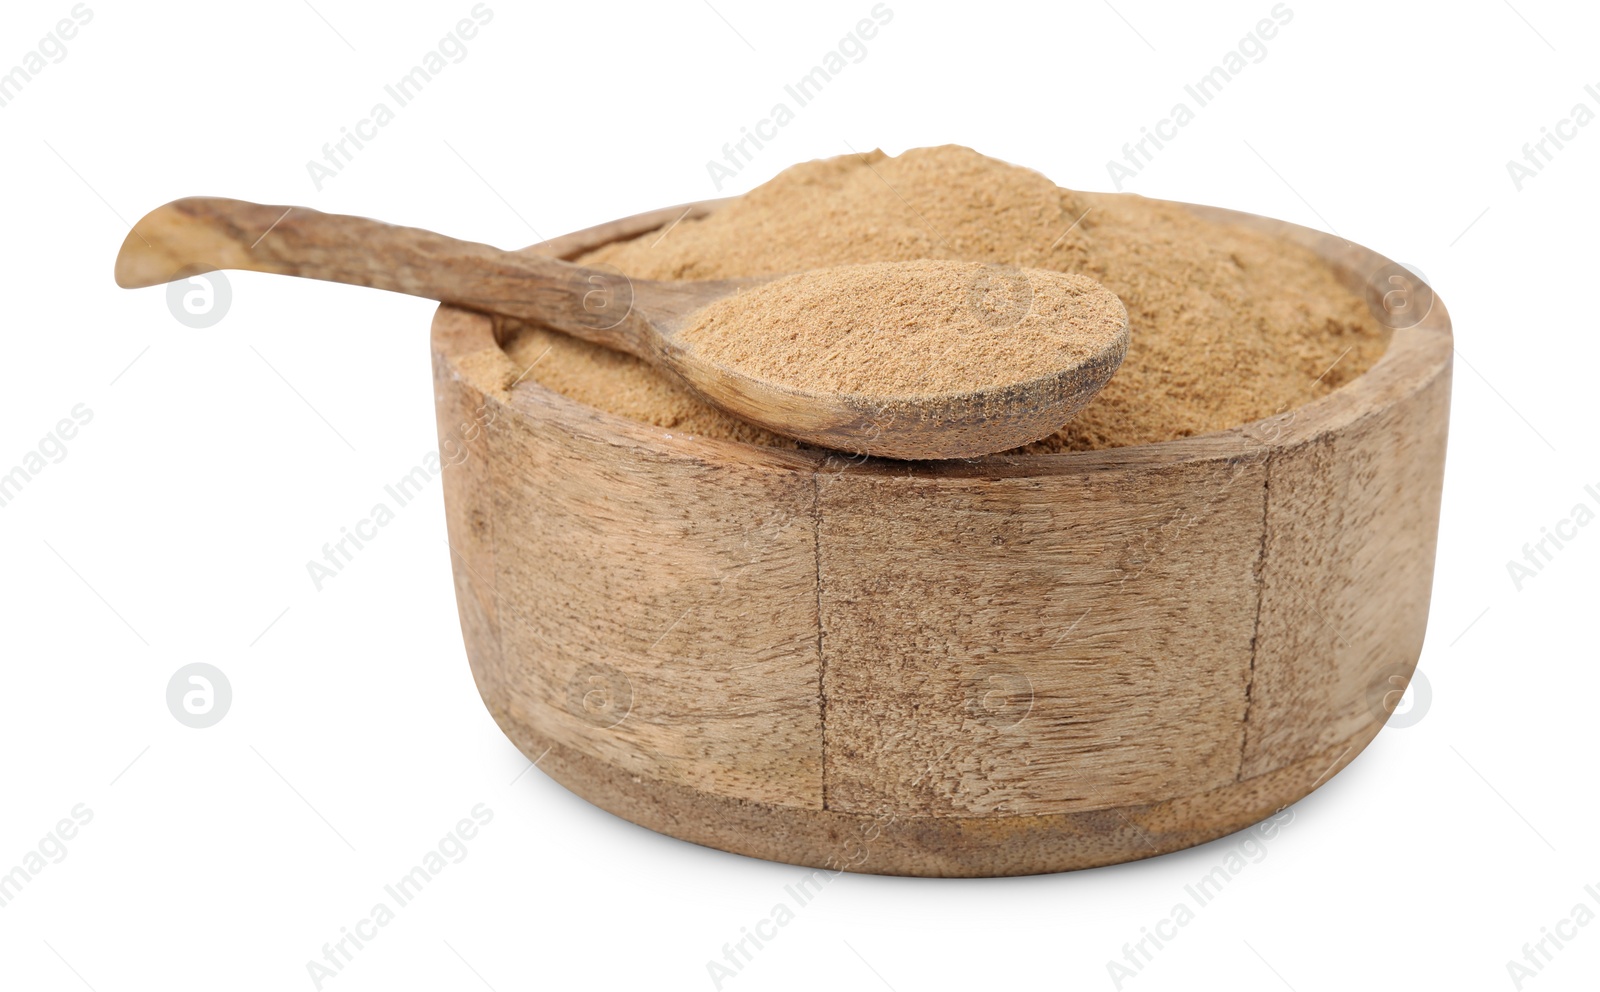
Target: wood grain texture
(827, 658)
(892, 843)
(1349, 548)
(702, 668)
(201, 233)
(1015, 646)
(465, 415)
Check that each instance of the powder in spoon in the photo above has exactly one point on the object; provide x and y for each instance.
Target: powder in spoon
(909, 328)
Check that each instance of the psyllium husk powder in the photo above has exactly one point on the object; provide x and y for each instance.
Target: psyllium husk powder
(928, 327)
(1226, 325)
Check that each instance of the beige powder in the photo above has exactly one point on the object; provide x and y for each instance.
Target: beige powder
(1225, 325)
(909, 328)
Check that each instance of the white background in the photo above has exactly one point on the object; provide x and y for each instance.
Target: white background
(177, 527)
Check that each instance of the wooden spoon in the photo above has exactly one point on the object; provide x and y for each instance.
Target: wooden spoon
(639, 317)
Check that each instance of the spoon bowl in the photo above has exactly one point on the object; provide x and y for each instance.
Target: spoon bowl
(962, 424)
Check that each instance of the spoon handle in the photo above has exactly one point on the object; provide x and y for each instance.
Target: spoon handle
(203, 233)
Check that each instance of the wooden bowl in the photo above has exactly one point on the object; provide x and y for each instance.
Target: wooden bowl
(1006, 666)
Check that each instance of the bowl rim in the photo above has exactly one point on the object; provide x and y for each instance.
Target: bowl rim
(1415, 357)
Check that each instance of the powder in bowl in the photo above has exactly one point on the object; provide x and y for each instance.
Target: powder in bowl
(1227, 324)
